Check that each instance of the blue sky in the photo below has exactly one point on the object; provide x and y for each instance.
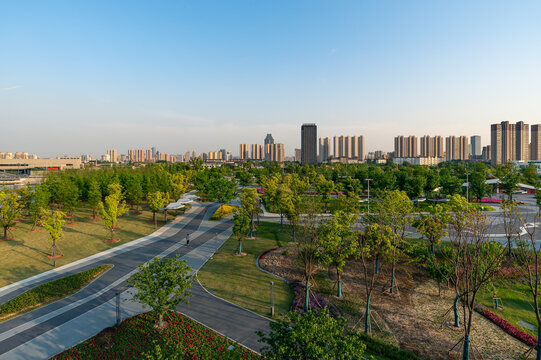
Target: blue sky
(78, 77)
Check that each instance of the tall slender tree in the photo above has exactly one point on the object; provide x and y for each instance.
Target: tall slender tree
(113, 208)
(53, 221)
(10, 210)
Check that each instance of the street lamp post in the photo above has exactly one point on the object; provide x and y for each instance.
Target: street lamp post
(368, 180)
(272, 298)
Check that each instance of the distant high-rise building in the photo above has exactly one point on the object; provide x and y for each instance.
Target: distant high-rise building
(509, 142)
(486, 153)
(405, 147)
(243, 153)
(324, 148)
(535, 147)
(131, 155)
(257, 152)
(476, 148)
(456, 148)
(153, 152)
(298, 155)
(148, 155)
(139, 155)
(277, 152)
(269, 140)
(309, 144)
(112, 155)
(360, 147)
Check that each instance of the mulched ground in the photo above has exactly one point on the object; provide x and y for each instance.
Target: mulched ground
(413, 317)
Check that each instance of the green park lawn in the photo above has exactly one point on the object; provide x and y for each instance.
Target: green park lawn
(237, 279)
(25, 254)
(517, 303)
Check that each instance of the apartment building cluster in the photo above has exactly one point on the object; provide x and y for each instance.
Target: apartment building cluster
(512, 142)
(17, 155)
(344, 149)
(431, 150)
(269, 151)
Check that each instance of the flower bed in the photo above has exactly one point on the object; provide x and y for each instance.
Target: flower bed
(488, 200)
(316, 302)
(266, 252)
(506, 326)
(136, 337)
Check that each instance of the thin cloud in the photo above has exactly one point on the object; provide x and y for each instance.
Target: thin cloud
(11, 88)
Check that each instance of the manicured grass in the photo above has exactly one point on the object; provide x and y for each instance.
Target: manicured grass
(26, 255)
(49, 292)
(137, 338)
(517, 303)
(223, 211)
(237, 279)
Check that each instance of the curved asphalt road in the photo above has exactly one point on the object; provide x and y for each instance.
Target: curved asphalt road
(46, 331)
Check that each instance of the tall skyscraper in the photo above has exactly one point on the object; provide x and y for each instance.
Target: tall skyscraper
(522, 152)
(298, 155)
(131, 155)
(324, 148)
(244, 154)
(153, 152)
(535, 148)
(266, 146)
(309, 144)
(148, 155)
(360, 147)
(476, 148)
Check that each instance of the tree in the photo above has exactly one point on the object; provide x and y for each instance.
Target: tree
(478, 185)
(242, 224)
(394, 211)
(375, 242)
(39, 201)
(477, 260)
(179, 185)
(511, 220)
(284, 202)
(10, 210)
(249, 201)
(134, 191)
(311, 336)
(162, 284)
(530, 174)
(432, 226)
(156, 200)
(68, 195)
(337, 243)
(324, 188)
(53, 222)
(222, 189)
(529, 261)
(113, 208)
(245, 177)
(94, 197)
(509, 180)
(308, 244)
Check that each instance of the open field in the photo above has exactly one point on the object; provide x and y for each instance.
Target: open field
(237, 279)
(26, 253)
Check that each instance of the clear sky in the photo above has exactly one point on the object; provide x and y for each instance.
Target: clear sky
(77, 77)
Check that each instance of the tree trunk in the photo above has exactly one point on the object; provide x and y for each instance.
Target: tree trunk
(377, 264)
(93, 214)
(240, 246)
(5, 232)
(54, 254)
(306, 297)
(455, 309)
(509, 245)
(282, 220)
(155, 220)
(112, 232)
(466, 351)
(251, 228)
(367, 316)
(339, 283)
(538, 342)
(160, 321)
(392, 282)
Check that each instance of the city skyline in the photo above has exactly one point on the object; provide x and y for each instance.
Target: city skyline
(82, 77)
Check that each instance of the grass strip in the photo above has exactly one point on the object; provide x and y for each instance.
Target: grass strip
(46, 293)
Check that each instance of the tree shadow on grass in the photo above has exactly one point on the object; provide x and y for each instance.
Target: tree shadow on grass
(22, 243)
(19, 272)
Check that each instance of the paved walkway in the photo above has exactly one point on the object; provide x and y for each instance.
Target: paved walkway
(51, 329)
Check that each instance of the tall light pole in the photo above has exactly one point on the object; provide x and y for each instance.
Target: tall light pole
(368, 194)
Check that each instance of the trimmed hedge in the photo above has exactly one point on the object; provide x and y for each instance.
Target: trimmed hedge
(378, 347)
(51, 291)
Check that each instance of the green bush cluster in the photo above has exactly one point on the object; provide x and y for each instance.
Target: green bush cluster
(52, 290)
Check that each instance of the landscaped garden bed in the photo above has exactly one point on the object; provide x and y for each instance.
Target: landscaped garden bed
(137, 338)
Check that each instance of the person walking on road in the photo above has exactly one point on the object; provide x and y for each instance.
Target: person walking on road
(188, 239)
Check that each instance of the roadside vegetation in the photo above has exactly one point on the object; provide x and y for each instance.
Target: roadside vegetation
(223, 211)
(49, 292)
